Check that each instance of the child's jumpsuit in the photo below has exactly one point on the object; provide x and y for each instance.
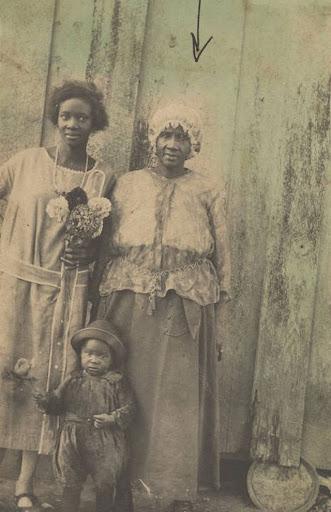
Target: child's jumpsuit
(83, 449)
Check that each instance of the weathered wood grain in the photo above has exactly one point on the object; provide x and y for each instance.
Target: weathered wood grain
(25, 38)
(115, 62)
(294, 238)
(254, 160)
(102, 40)
(316, 445)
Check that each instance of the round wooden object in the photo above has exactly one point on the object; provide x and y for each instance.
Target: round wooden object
(275, 488)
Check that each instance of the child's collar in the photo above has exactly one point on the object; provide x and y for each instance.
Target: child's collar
(111, 376)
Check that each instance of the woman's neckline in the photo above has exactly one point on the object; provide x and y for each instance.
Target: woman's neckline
(69, 168)
(186, 172)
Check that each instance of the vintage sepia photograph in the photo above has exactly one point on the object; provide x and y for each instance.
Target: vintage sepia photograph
(165, 256)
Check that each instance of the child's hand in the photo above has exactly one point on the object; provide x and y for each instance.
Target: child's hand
(103, 420)
(40, 399)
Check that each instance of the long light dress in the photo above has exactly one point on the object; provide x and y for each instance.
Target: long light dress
(168, 262)
(33, 304)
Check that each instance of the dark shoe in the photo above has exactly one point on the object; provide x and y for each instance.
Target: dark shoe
(182, 506)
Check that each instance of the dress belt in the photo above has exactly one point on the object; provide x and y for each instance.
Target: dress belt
(71, 417)
(36, 274)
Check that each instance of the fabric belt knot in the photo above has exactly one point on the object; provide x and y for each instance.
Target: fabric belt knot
(158, 279)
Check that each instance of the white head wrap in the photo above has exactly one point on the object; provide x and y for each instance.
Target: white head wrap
(175, 115)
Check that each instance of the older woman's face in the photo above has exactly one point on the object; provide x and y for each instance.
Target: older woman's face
(173, 146)
(75, 121)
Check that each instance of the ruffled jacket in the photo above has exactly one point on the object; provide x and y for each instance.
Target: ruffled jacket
(166, 233)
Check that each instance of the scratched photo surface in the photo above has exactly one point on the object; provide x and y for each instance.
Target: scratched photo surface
(257, 73)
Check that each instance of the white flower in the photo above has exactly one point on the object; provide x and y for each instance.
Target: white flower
(58, 209)
(100, 205)
(22, 367)
(99, 229)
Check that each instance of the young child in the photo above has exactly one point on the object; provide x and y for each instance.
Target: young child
(96, 406)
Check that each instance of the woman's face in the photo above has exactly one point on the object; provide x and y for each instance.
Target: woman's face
(75, 121)
(173, 146)
(96, 357)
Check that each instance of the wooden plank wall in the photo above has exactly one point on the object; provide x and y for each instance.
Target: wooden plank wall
(25, 39)
(294, 236)
(262, 90)
(253, 162)
(259, 95)
(316, 426)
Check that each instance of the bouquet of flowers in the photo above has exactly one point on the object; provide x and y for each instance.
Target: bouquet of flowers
(83, 217)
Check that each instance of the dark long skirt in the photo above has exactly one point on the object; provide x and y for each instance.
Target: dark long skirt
(172, 367)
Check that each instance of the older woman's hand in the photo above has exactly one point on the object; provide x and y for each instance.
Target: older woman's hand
(103, 420)
(78, 255)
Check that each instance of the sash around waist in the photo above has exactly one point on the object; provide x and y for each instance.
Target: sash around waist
(71, 417)
(36, 274)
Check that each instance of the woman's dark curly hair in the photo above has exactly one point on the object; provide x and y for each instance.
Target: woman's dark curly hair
(83, 90)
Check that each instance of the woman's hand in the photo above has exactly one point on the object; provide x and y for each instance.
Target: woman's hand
(103, 420)
(78, 255)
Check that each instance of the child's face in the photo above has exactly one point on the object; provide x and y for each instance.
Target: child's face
(96, 357)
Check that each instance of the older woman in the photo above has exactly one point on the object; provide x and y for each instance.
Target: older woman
(167, 274)
(36, 316)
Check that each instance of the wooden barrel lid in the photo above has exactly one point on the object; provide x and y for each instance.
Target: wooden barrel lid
(275, 488)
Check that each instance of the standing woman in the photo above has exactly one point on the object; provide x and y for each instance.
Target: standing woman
(163, 287)
(33, 307)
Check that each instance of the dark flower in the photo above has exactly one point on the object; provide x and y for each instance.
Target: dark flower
(75, 197)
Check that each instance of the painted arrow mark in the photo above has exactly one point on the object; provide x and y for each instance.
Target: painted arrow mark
(197, 51)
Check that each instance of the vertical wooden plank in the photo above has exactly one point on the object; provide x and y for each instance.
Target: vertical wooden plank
(25, 41)
(116, 61)
(25, 37)
(169, 74)
(316, 430)
(263, 81)
(294, 233)
(102, 40)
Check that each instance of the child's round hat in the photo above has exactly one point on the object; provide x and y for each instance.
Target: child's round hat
(103, 331)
